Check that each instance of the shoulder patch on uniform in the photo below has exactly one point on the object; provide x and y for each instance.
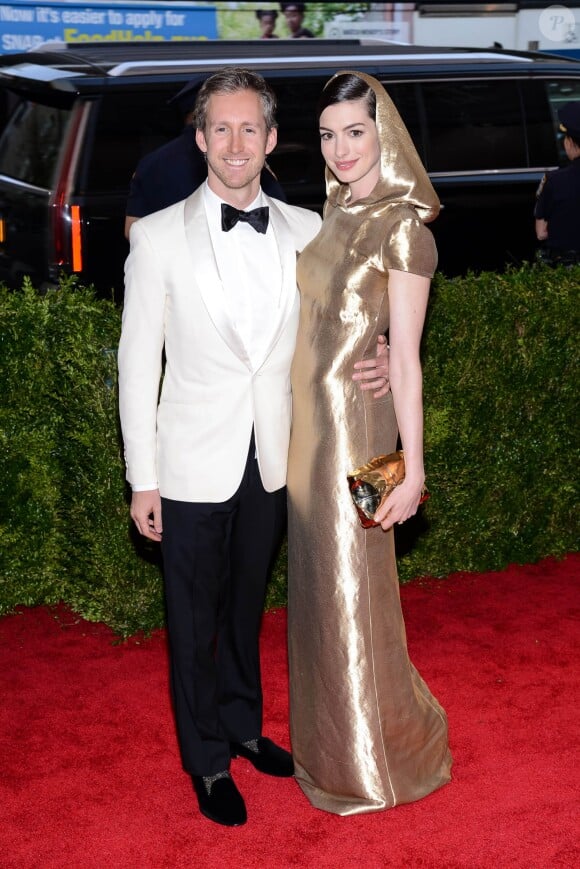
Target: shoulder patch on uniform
(541, 186)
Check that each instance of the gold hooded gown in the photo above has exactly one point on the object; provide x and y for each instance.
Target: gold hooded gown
(366, 732)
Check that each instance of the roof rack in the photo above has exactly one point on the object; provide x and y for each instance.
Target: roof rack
(87, 62)
(109, 54)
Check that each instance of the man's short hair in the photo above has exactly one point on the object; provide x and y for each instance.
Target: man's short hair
(229, 81)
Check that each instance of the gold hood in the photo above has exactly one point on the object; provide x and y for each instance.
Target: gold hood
(403, 177)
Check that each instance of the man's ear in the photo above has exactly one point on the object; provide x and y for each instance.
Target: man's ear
(271, 140)
(200, 140)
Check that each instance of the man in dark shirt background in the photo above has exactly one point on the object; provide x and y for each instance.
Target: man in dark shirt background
(557, 210)
(294, 15)
(174, 170)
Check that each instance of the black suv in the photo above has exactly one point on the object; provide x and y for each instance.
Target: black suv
(484, 123)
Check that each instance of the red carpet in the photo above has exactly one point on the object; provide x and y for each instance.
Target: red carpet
(91, 775)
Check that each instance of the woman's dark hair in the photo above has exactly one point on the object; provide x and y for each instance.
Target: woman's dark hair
(343, 88)
(266, 13)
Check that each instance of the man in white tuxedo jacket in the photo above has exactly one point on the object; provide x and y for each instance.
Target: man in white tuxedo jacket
(207, 459)
(212, 281)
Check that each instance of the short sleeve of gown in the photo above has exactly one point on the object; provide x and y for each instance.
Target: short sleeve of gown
(410, 247)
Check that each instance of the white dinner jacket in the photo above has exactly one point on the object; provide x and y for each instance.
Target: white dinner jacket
(193, 439)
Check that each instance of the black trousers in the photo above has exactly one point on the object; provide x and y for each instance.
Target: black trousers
(217, 559)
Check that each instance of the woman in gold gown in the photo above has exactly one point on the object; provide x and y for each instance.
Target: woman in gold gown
(367, 734)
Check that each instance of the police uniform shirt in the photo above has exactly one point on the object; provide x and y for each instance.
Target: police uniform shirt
(172, 172)
(558, 203)
(167, 175)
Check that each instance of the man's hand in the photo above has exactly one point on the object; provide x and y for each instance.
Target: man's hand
(374, 373)
(541, 230)
(146, 513)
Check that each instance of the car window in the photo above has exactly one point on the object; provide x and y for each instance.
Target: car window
(297, 160)
(31, 143)
(540, 131)
(473, 125)
(124, 127)
(406, 97)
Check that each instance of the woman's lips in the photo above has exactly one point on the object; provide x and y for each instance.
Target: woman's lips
(344, 167)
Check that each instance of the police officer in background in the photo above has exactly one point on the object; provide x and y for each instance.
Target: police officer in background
(174, 170)
(557, 210)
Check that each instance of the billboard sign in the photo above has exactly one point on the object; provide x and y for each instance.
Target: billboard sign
(25, 25)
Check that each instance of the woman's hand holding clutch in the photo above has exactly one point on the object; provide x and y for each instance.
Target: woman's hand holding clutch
(373, 487)
(401, 504)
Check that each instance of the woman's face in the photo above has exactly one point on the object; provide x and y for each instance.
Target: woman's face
(350, 146)
(267, 23)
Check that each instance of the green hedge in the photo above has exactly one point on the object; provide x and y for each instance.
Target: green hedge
(501, 421)
(65, 527)
(501, 370)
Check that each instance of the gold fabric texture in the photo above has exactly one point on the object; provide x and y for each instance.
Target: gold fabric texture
(366, 732)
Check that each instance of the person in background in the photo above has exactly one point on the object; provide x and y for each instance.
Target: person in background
(557, 210)
(294, 15)
(211, 282)
(267, 19)
(366, 732)
(174, 170)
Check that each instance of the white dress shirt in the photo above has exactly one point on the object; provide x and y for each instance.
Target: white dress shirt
(251, 274)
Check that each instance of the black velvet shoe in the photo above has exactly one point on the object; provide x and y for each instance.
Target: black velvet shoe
(269, 757)
(223, 804)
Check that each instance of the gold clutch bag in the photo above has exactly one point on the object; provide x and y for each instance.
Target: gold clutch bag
(371, 483)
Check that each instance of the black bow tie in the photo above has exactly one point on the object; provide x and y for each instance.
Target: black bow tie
(258, 217)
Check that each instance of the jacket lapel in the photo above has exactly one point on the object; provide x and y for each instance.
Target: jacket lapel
(287, 292)
(206, 275)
